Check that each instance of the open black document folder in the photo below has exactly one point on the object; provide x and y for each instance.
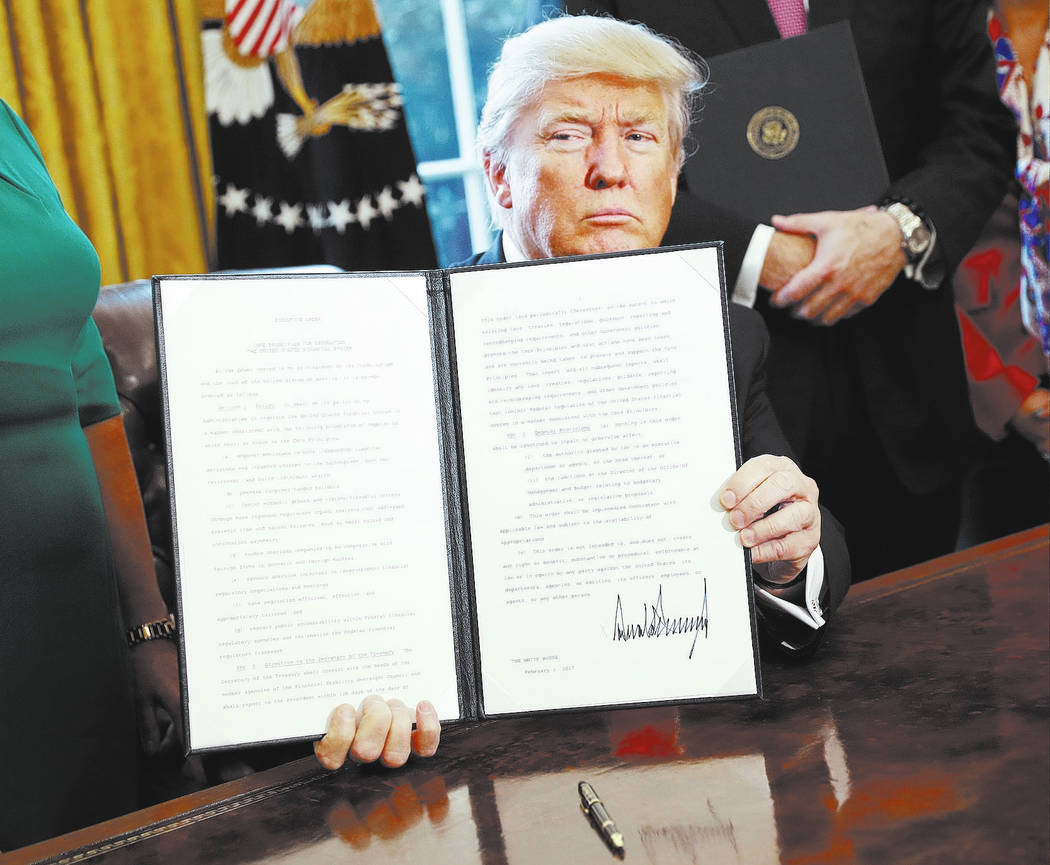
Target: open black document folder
(786, 127)
(493, 488)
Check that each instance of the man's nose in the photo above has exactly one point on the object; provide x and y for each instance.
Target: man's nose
(607, 165)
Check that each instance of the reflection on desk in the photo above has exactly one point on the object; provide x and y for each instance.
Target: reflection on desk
(918, 734)
(728, 817)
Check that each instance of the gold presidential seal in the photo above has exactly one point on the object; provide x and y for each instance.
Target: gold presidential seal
(772, 132)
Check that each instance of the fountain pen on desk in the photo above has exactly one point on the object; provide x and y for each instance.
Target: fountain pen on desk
(592, 806)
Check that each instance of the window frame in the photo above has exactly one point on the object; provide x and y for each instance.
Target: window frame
(464, 110)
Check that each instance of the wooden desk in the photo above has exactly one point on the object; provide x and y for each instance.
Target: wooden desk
(918, 735)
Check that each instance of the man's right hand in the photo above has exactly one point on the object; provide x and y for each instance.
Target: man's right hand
(773, 507)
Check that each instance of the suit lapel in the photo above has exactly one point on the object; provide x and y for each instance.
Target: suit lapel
(751, 20)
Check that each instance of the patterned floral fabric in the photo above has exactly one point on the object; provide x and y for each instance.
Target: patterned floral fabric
(1032, 111)
(1003, 360)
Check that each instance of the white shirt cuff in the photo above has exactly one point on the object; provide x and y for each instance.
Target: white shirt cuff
(928, 271)
(746, 288)
(810, 614)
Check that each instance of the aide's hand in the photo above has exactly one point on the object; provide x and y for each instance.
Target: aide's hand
(155, 666)
(857, 258)
(1032, 420)
(786, 537)
(378, 730)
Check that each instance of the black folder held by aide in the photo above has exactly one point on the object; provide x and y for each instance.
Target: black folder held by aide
(786, 127)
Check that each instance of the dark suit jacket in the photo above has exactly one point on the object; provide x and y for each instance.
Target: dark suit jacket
(948, 144)
(759, 431)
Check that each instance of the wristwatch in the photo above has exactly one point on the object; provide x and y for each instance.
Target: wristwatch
(162, 629)
(915, 234)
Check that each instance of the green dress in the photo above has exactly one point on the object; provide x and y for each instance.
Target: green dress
(67, 728)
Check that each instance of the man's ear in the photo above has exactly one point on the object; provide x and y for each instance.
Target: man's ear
(496, 177)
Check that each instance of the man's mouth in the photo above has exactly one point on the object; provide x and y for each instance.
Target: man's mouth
(610, 216)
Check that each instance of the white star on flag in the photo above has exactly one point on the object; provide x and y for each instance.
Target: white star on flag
(290, 217)
(366, 212)
(316, 214)
(412, 191)
(386, 203)
(262, 210)
(339, 215)
(234, 200)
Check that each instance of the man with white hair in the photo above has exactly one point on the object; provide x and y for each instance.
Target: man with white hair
(581, 143)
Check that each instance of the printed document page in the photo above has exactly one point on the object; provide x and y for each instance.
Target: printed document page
(311, 545)
(597, 431)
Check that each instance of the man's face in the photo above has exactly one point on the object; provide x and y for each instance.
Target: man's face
(590, 168)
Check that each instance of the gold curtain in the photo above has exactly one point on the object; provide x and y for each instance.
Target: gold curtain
(113, 92)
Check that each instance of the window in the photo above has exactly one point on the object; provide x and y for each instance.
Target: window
(441, 51)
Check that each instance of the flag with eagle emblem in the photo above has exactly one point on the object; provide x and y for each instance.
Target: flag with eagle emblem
(312, 160)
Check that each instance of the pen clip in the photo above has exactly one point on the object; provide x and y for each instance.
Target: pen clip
(588, 798)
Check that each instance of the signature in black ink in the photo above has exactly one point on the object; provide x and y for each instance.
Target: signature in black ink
(660, 625)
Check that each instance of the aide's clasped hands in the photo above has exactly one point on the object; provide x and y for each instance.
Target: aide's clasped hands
(773, 506)
(378, 729)
(858, 255)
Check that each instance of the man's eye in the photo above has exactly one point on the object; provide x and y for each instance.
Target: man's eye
(566, 140)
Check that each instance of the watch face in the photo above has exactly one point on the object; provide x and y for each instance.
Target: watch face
(918, 240)
(915, 236)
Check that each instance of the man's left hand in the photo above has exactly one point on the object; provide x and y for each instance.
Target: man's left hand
(378, 730)
(774, 508)
(858, 256)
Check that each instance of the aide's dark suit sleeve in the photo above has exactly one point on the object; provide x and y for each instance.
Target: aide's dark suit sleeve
(760, 433)
(961, 172)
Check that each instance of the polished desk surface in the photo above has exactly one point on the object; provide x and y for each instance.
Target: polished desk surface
(919, 734)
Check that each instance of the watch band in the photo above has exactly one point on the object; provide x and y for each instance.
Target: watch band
(915, 235)
(162, 629)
